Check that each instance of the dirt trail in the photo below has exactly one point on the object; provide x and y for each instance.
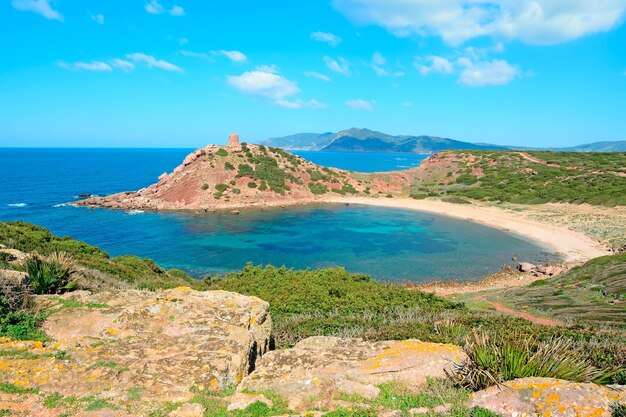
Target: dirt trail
(544, 321)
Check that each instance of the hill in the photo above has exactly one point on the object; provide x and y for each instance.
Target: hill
(365, 140)
(531, 177)
(615, 146)
(244, 176)
(592, 294)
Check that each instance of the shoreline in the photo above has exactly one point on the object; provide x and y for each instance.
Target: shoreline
(575, 247)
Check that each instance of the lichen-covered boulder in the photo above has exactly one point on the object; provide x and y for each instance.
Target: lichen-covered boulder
(161, 344)
(331, 365)
(539, 397)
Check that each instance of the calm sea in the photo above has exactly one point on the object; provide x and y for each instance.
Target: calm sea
(389, 244)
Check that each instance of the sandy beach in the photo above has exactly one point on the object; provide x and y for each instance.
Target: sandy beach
(574, 247)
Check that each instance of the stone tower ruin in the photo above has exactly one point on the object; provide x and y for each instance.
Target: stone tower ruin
(233, 140)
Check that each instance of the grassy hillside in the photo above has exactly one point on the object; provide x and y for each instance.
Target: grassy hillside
(96, 268)
(525, 177)
(592, 295)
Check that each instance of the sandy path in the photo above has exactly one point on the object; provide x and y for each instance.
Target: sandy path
(573, 246)
(544, 321)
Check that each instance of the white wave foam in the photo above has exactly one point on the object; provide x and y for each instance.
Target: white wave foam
(133, 212)
(65, 205)
(17, 205)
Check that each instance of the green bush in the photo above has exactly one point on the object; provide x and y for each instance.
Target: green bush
(229, 166)
(222, 187)
(222, 152)
(205, 186)
(332, 302)
(47, 277)
(618, 410)
(252, 184)
(317, 188)
(496, 359)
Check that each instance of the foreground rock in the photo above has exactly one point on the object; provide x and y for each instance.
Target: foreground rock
(330, 365)
(537, 397)
(157, 344)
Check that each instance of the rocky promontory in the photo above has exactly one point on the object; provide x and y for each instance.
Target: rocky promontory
(242, 175)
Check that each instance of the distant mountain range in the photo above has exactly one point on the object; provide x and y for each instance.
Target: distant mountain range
(365, 140)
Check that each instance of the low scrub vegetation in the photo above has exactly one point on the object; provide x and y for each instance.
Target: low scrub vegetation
(96, 269)
(533, 177)
(503, 357)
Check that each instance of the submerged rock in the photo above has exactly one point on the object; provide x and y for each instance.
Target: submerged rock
(323, 365)
(538, 397)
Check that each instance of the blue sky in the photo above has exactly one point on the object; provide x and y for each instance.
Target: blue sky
(185, 73)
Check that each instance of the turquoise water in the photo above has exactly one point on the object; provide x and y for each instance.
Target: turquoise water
(389, 244)
(364, 161)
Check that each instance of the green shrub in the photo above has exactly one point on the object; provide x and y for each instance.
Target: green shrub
(47, 277)
(252, 184)
(222, 187)
(317, 188)
(618, 410)
(205, 186)
(21, 325)
(455, 200)
(496, 359)
(418, 196)
(222, 152)
(263, 186)
(229, 166)
(332, 301)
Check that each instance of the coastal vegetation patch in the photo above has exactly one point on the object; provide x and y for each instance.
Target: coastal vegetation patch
(532, 177)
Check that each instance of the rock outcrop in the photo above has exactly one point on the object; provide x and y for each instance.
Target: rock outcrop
(162, 344)
(326, 365)
(539, 397)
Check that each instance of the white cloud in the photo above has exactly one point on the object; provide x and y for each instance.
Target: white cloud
(193, 54)
(98, 18)
(314, 104)
(378, 64)
(235, 56)
(486, 73)
(41, 7)
(87, 66)
(407, 104)
(360, 105)
(433, 64)
(329, 38)
(122, 64)
(183, 41)
(456, 21)
(176, 10)
(313, 74)
(299, 104)
(152, 62)
(268, 68)
(340, 65)
(154, 7)
(264, 84)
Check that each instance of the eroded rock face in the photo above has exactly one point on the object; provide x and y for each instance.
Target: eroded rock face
(331, 365)
(537, 397)
(159, 343)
